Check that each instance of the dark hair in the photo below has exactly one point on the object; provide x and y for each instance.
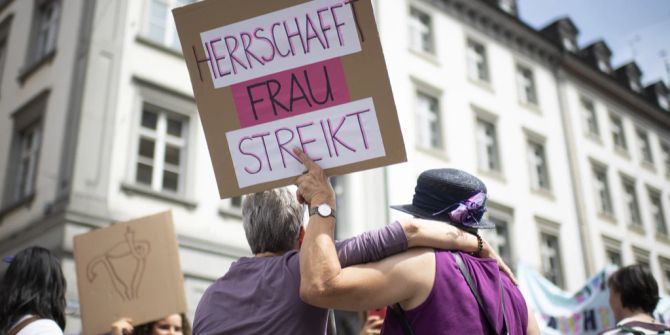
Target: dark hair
(637, 287)
(145, 329)
(33, 284)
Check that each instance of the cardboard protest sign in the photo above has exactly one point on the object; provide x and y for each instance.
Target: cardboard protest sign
(129, 269)
(269, 76)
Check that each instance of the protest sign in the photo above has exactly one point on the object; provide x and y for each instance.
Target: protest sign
(586, 312)
(269, 76)
(129, 269)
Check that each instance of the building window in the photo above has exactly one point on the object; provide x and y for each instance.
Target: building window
(613, 257)
(569, 44)
(642, 257)
(618, 134)
(478, 68)
(539, 170)
(4, 37)
(500, 238)
(665, 151)
(550, 251)
(159, 25)
(603, 66)
(635, 85)
(589, 111)
(665, 270)
(420, 31)
(508, 6)
(22, 168)
(663, 102)
(657, 214)
(630, 198)
(526, 85)
(161, 150)
(602, 190)
(487, 146)
(429, 129)
(45, 29)
(645, 146)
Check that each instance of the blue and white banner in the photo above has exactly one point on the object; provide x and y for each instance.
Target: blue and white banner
(585, 312)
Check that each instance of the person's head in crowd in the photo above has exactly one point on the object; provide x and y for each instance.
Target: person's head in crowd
(272, 221)
(33, 285)
(173, 324)
(633, 290)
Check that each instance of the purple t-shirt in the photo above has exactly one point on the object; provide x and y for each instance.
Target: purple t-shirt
(451, 307)
(260, 295)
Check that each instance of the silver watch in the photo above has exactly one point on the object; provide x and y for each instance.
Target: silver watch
(324, 211)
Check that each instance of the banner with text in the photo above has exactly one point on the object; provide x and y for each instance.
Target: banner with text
(586, 312)
(269, 76)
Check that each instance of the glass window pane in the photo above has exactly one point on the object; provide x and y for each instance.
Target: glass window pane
(144, 173)
(170, 180)
(146, 148)
(149, 119)
(174, 127)
(172, 155)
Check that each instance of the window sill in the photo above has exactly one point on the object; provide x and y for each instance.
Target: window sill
(429, 57)
(648, 165)
(531, 106)
(497, 175)
(663, 237)
(433, 152)
(30, 69)
(25, 202)
(636, 228)
(608, 217)
(594, 137)
(543, 192)
(158, 46)
(171, 197)
(227, 212)
(484, 84)
(621, 151)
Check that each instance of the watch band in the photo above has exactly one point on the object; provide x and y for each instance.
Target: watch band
(315, 211)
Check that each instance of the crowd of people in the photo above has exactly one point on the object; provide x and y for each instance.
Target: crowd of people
(428, 274)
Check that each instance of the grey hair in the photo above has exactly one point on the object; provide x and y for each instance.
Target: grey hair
(272, 220)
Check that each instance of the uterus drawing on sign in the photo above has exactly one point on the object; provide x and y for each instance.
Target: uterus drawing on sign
(124, 264)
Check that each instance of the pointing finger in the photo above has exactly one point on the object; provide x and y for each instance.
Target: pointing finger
(308, 162)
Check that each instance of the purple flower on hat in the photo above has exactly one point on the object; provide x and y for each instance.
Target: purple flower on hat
(467, 212)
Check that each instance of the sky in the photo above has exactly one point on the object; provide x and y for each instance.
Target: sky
(633, 29)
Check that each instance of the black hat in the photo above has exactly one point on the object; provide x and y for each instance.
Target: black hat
(449, 195)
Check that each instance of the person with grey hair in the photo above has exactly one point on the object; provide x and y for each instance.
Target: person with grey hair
(260, 294)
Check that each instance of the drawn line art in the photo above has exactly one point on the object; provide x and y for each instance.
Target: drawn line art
(129, 254)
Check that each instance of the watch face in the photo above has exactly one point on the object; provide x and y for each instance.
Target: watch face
(324, 210)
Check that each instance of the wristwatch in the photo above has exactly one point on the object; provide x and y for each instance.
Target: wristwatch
(324, 211)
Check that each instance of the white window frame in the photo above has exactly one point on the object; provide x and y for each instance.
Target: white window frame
(5, 27)
(169, 38)
(28, 119)
(426, 119)
(618, 132)
(644, 145)
(656, 211)
(665, 153)
(155, 98)
(549, 228)
(421, 35)
(631, 201)
(663, 102)
(664, 264)
(641, 256)
(44, 31)
(488, 146)
(477, 61)
(612, 246)
(602, 188)
(526, 85)
(590, 116)
(539, 181)
(501, 214)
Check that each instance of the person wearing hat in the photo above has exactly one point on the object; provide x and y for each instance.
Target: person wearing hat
(429, 291)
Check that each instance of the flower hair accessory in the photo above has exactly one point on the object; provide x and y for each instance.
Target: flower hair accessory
(467, 212)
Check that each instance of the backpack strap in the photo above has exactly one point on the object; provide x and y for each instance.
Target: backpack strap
(23, 324)
(399, 314)
(630, 327)
(475, 291)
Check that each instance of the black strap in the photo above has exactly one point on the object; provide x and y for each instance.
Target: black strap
(475, 292)
(399, 314)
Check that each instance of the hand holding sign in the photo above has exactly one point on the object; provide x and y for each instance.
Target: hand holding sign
(313, 186)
